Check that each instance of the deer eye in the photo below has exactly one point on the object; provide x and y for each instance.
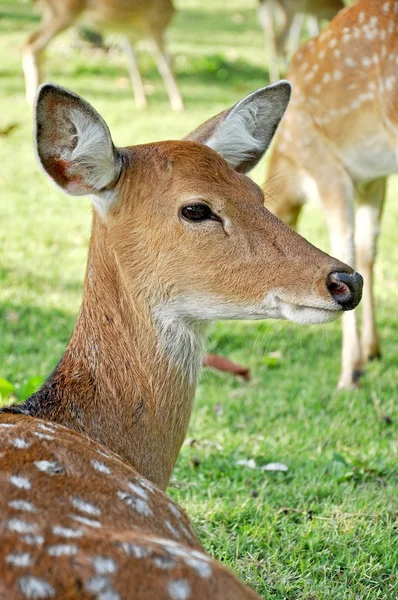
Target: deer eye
(198, 212)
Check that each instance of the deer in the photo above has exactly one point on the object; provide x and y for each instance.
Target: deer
(178, 231)
(293, 12)
(338, 143)
(131, 19)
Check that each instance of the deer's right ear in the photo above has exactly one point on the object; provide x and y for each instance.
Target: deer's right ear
(74, 145)
(242, 133)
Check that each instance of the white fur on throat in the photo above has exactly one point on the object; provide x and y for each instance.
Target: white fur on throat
(182, 324)
(181, 339)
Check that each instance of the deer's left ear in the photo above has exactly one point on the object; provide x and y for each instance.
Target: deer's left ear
(243, 133)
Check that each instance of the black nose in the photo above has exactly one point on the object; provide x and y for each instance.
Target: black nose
(346, 288)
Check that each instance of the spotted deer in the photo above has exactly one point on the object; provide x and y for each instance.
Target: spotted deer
(339, 141)
(178, 232)
(283, 43)
(132, 19)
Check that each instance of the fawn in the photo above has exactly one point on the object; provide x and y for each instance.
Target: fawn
(339, 141)
(133, 19)
(180, 237)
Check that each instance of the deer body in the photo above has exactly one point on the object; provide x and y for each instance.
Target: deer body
(133, 19)
(177, 233)
(339, 141)
(285, 42)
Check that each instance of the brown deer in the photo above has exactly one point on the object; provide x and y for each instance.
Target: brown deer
(286, 41)
(178, 232)
(339, 141)
(132, 19)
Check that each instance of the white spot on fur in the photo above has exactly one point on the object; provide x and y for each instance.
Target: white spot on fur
(20, 482)
(7, 425)
(35, 588)
(138, 490)
(186, 532)
(22, 505)
(62, 550)
(85, 521)
(19, 559)
(33, 540)
(49, 466)
(172, 529)
(137, 503)
(350, 62)
(45, 427)
(44, 436)
(337, 75)
(67, 532)
(175, 510)
(86, 507)
(20, 443)
(20, 526)
(100, 467)
(164, 562)
(201, 567)
(135, 550)
(104, 565)
(366, 61)
(386, 7)
(179, 589)
(101, 586)
(147, 484)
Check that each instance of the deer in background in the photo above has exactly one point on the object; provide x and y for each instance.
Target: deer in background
(339, 141)
(133, 19)
(293, 12)
(178, 231)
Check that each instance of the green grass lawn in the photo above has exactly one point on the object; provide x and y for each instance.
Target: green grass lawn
(323, 530)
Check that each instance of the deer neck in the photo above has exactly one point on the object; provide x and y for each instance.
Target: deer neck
(128, 376)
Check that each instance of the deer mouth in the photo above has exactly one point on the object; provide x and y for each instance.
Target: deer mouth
(309, 315)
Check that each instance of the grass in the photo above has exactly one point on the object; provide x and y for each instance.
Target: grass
(323, 530)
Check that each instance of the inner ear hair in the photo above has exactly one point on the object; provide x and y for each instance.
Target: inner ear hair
(73, 143)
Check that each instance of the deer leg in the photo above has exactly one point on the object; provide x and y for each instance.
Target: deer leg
(293, 42)
(135, 75)
(164, 68)
(32, 56)
(313, 26)
(370, 206)
(339, 211)
(265, 16)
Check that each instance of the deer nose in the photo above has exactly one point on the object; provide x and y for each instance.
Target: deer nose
(345, 288)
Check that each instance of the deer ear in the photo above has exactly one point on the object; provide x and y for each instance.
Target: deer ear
(242, 133)
(73, 143)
